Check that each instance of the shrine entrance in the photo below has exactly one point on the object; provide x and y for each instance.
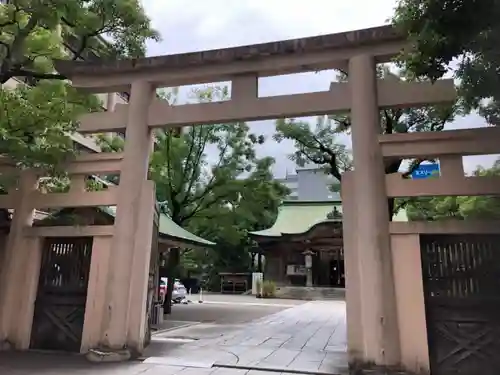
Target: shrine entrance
(289, 242)
(375, 294)
(62, 294)
(461, 277)
(337, 270)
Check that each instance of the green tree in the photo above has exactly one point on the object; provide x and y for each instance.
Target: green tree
(320, 144)
(254, 208)
(463, 31)
(432, 208)
(209, 180)
(188, 181)
(461, 208)
(60, 183)
(35, 119)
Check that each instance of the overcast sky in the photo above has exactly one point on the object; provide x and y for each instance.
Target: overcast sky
(208, 24)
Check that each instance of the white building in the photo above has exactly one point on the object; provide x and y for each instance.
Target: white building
(310, 183)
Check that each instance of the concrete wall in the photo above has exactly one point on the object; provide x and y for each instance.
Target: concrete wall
(20, 323)
(410, 304)
(91, 335)
(21, 274)
(310, 184)
(291, 181)
(313, 184)
(3, 240)
(406, 256)
(20, 266)
(410, 301)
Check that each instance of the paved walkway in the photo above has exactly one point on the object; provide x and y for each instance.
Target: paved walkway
(310, 338)
(306, 339)
(60, 365)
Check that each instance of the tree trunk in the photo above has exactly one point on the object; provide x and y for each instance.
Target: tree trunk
(172, 263)
(4, 78)
(391, 204)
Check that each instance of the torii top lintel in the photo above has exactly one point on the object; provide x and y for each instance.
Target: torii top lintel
(281, 57)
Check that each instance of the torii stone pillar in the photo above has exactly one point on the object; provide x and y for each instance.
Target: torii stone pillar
(17, 256)
(128, 231)
(378, 305)
(355, 341)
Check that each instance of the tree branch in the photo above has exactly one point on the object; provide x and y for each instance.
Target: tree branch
(212, 183)
(84, 38)
(188, 158)
(16, 50)
(19, 72)
(199, 207)
(18, 42)
(201, 197)
(7, 48)
(171, 193)
(8, 23)
(413, 167)
(194, 165)
(334, 168)
(402, 204)
(13, 20)
(388, 122)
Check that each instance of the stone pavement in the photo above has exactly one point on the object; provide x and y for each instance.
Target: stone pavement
(47, 364)
(310, 338)
(306, 339)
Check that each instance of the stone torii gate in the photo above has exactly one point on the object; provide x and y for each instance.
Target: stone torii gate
(356, 52)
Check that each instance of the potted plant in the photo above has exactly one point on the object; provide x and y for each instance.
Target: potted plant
(268, 289)
(259, 289)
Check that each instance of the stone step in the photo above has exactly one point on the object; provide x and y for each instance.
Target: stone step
(310, 293)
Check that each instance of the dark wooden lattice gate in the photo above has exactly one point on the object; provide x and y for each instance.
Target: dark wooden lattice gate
(62, 294)
(461, 276)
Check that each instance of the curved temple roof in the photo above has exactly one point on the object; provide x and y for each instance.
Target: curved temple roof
(168, 228)
(299, 217)
(296, 217)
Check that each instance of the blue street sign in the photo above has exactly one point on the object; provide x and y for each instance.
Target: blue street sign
(426, 171)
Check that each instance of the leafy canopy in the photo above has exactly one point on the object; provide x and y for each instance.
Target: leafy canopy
(35, 120)
(203, 165)
(33, 33)
(461, 208)
(321, 144)
(462, 31)
(210, 181)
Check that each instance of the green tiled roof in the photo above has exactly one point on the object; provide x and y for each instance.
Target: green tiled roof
(296, 217)
(168, 228)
